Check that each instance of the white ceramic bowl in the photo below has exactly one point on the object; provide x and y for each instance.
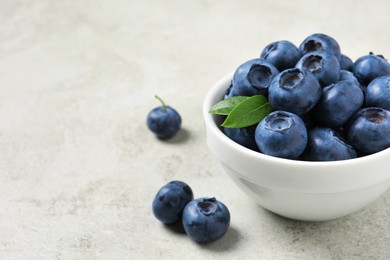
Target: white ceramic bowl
(309, 191)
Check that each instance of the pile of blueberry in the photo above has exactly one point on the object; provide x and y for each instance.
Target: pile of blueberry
(326, 107)
(204, 219)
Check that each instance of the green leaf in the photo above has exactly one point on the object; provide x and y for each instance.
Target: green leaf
(225, 106)
(249, 112)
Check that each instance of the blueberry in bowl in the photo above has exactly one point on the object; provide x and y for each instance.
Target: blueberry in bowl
(369, 67)
(253, 77)
(294, 90)
(296, 188)
(377, 93)
(282, 54)
(321, 42)
(323, 65)
(338, 103)
(281, 134)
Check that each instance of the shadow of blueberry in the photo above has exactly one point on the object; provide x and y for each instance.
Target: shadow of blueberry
(226, 243)
(176, 228)
(181, 137)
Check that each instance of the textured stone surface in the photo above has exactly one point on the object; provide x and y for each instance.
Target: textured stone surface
(79, 169)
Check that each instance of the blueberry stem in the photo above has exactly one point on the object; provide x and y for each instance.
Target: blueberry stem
(164, 107)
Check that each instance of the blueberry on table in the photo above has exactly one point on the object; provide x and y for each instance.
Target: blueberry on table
(369, 130)
(253, 78)
(325, 144)
(282, 54)
(294, 90)
(323, 65)
(281, 134)
(369, 67)
(170, 200)
(320, 42)
(205, 219)
(164, 121)
(378, 93)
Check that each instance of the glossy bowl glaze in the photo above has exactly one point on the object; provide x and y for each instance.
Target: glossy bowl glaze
(302, 190)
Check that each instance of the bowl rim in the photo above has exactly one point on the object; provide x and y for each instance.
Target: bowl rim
(220, 87)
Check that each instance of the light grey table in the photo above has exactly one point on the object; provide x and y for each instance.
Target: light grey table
(78, 167)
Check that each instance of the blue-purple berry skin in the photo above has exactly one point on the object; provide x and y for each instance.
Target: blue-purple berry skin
(281, 134)
(369, 130)
(294, 90)
(323, 65)
(370, 67)
(206, 220)
(338, 103)
(170, 200)
(164, 121)
(253, 78)
(378, 93)
(346, 63)
(282, 54)
(244, 136)
(325, 144)
(320, 42)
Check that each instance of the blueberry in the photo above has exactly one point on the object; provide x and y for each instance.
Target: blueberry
(205, 219)
(253, 78)
(282, 54)
(320, 42)
(228, 93)
(170, 200)
(164, 121)
(294, 90)
(244, 136)
(325, 144)
(338, 103)
(346, 63)
(369, 67)
(378, 93)
(347, 75)
(281, 134)
(323, 65)
(369, 130)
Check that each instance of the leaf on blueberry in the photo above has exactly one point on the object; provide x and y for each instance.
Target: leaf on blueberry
(248, 112)
(226, 106)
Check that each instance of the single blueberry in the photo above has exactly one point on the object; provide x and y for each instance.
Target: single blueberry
(294, 90)
(282, 54)
(323, 65)
(325, 144)
(378, 93)
(170, 200)
(346, 63)
(320, 42)
(206, 219)
(281, 134)
(164, 121)
(244, 136)
(348, 75)
(369, 67)
(338, 103)
(228, 93)
(253, 78)
(369, 130)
